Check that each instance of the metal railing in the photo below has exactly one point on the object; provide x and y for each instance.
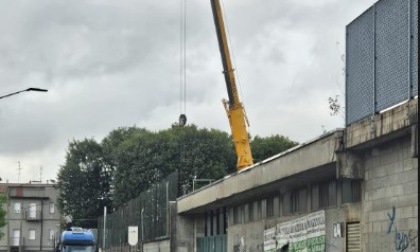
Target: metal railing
(16, 241)
(31, 215)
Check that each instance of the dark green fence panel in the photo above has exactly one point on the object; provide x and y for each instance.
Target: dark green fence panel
(217, 243)
(149, 211)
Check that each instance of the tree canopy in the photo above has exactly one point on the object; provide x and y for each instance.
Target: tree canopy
(130, 159)
(84, 181)
(265, 147)
(145, 157)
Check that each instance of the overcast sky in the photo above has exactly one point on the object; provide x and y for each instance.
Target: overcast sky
(109, 64)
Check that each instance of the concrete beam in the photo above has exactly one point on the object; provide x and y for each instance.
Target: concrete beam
(415, 140)
(386, 123)
(303, 158)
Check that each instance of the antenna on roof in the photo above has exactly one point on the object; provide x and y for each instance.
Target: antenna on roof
(19, 172)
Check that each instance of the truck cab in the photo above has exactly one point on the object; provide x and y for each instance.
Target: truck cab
(77, 240)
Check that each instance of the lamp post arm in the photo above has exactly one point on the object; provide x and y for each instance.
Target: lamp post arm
(4, 96)
(29, 89)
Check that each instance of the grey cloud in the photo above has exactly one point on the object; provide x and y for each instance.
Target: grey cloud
(117, 63)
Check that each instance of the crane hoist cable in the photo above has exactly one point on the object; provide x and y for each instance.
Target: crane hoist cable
(183, 64)
(232, 54)
(182, 78)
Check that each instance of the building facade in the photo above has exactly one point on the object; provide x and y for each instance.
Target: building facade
(33, 218)
(353, 189)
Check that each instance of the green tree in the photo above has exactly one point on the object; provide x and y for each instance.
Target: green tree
(147, 157)
(265, 147)
(130, 159)
(84, 182)
(3, 201)
(204, 154)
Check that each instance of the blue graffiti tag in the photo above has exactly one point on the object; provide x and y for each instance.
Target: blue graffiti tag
(391, 219)
(402, 240)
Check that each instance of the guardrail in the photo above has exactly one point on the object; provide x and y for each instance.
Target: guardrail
(17, 241)
(31, 215)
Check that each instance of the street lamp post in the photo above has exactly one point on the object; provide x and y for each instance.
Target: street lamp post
(26, 90)
(103, 240)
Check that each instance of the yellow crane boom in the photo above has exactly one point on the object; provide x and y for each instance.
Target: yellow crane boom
(234, 108)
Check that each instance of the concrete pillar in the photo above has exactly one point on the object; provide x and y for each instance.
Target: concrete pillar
(349, 165)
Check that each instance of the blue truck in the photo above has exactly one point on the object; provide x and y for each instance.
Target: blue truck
(77, 240)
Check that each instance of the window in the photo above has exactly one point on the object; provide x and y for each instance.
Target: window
(351, 191)
(52, 207)
(16, 237)
(302, 200)
(270, 207)
(237, 215)
(31, 234)
(211, 223)
(32, 210)
(324, 195)
(287, 203)
(327, 194)
(315, 197)
(295, 201)
(52, 234)
(16, 207)
(206, 220)
(251, 212)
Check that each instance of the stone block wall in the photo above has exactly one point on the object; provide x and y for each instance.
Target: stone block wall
(390, 200)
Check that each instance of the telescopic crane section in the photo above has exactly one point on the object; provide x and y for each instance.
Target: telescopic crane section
(234, 108)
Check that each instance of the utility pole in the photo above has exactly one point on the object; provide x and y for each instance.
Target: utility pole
(20, 227)
(19, 172)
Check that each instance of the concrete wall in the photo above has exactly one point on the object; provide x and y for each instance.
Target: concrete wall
(250, 236)
(184, 233)
(158, 246)
(390, 207)
(382, 125)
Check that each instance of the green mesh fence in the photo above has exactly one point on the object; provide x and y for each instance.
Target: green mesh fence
(149, 211)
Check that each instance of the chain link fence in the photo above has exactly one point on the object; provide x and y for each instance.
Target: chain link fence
(149, 211)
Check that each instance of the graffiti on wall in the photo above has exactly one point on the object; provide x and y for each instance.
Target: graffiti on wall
(239, 245)
(303, 234)
(403, 240)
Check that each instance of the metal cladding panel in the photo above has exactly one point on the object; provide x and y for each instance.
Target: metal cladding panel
(359, 67)
(392, 44)
(382, 58)
(216, 243)
(414, 46)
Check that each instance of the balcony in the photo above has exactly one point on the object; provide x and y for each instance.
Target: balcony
(31, 215)
(15, 242)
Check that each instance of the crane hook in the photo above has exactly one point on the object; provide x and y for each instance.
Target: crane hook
(182, 120)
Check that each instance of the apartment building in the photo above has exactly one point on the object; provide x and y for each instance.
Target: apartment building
(33, 218)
